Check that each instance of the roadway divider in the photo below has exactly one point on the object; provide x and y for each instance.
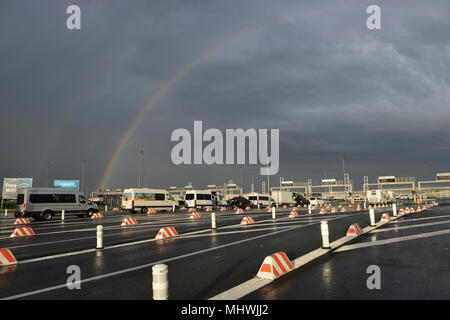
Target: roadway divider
(247, 220)
(293, 214)
(354, 230)
(97, 216)
(22, 221)
(129, 222)
(22, 232)
(195, 215)
(385, 218)
(7, 258)
(275, 266)
(166, 232)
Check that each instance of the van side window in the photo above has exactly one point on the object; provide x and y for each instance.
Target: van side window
(160, 196)
(207, 197)
(42, 198)
(190, 196)
(66, 198)
(200, 196)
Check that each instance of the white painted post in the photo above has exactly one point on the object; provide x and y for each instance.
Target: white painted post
(394, 209)
(325, 234)
(173, 208)
(6, 212)
(160, 282)
(259, 205)
(213, 220)
(309, 208)
(365, 205)
(372, 216)
(99, 237)
(273, 213)
(62, 215)
(106, 208)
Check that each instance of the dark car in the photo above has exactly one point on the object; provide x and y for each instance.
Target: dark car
(240, 202)
(300, 200)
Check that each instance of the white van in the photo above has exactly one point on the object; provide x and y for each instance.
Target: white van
(316, 201)
(263, 199)
(142, 199)
(198, 199)
(44, 203)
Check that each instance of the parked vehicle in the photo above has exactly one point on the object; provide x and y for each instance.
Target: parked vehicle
(44, 203)
(284, 197)
(198, 199)
(240, 202)
(380, 196)
(263, 199)
(301, 201)
(143, 199)
(316, 201)
(218, 199)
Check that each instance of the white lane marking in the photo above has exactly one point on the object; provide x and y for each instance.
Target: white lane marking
(394, 240)
(412, 226)
(420, 219)
(111, 274)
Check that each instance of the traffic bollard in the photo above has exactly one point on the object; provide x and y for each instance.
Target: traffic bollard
(213, 220)
(63, 213)
(160, 282)
(309, 208)
(106, 208)
(273, 213)
(394, 209)
(99, 237)
(6, 212)
(372, 216)
(325, 234)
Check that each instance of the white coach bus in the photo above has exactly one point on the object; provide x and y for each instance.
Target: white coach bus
(143, 199)
(198, 199)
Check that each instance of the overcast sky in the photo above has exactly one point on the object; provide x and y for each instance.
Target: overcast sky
(336, 90)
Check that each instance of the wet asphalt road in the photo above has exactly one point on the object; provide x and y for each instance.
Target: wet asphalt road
(413, 254)
(202, 262)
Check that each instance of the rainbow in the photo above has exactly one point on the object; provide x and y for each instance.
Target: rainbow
(155, 97)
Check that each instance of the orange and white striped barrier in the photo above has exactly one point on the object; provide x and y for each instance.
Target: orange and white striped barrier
(343, 209)
(192, 209)
(22, 221)
(151, 211)
(248, 208)
(333, 210)
(323, 211)
(239, 210)
(129, 222)
(223, 209)
(411, 210)
(418, 209)
(313, 208)
(22, 232)
(424, 207)
(195, 215)
(247, 220)
(293, 214)
(285, 207)
(385, 218)
(97, 216)
(354, 230)
(274, 266)
(401, 212)
(115, 209)
(6, 258)
(358, 207)
(406, 210)
(166, 232)
(269, 209)
(208, 209)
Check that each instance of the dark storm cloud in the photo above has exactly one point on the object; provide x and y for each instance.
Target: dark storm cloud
(335, 90)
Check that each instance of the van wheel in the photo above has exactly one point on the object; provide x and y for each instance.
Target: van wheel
(47, 215)
(144, 210)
